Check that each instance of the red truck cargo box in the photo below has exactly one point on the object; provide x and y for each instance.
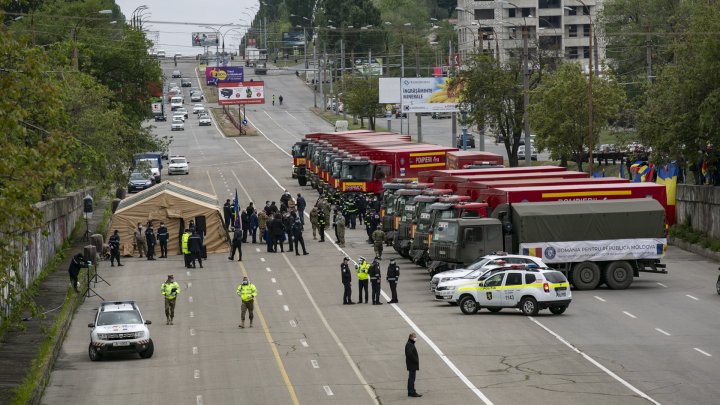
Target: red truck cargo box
(429, 176)
(458, 159)
(472, 188)
(453, 182)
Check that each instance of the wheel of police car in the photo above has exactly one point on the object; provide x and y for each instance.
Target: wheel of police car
(148, 352)
(586, 276)
(619, 275)
(468, 305)
(494, 309)
(717, 286)
(93, 353)
(529, 306)
(558, 309)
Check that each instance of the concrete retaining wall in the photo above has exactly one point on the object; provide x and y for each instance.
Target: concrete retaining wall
(699, 207)
(60, 216)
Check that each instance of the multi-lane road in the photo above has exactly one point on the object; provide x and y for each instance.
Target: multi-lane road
(656, 342)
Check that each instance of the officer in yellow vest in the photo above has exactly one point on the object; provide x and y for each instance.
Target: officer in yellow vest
(186, 248)
(362, 269)
(247, 293)
(170, 289)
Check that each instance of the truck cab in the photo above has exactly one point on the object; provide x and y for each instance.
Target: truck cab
(363, 175)
(462, 241)
(402, 243)
(299, 155)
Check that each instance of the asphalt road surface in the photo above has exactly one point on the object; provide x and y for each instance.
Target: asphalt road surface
(654, 343)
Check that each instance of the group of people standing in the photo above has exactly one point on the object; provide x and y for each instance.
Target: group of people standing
(369, 272)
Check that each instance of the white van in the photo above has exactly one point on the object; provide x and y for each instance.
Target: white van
(161, 53)
(176, 102)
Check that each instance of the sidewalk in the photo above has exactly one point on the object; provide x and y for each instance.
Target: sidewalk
(18, 349)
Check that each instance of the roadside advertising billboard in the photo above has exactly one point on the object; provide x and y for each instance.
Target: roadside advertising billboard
(220, 74)
(427, 94)
(157, 108)
(291, 39)
(204, 39)
(389, 90)
(241, 93)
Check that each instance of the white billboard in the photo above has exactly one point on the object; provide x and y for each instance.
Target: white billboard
(427, 94)
(389, 90)
(241, 93)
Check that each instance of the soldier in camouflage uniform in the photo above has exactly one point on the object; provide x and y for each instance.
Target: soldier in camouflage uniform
(378, 237)
(314, 220)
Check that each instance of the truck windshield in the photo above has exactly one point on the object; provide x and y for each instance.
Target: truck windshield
(390, 206)
(362, 172)
(299, 150)
(150, 162)
(445, 232)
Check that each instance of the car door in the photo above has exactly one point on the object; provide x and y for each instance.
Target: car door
(512, 289)
(490, 294)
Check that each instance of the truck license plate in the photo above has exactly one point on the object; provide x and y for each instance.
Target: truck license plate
(121, 344)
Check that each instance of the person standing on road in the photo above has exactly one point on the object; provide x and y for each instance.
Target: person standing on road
(247, 293)
(227, 213)
(346, 281)
(375, 276)
(297, 230)
(186, 247)
(321, 218)
(378, 238)
(195, 245)
(114, 244)
(170, 289)
(262, 218)
(236, 244)
(314, 220)
(140, 240)
(253, 223)
(289, 223)
(393, 275)
(412, 361)
(280, 99)
(244, 225)
(301, 204)
(273, 99)
(163, 236)
(78, 262)
(340, 228)
(362, 269)
(351, 211)
(276, 229)
(150, 239)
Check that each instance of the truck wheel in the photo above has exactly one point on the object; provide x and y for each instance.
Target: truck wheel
(468, 305)
(619, 275)
(558, 309)
(529, 306)
(302, 180)
(93, 353)
(148, 352)
(586, 276)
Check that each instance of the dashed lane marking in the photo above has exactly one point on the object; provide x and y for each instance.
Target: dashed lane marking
(328, 391)
(192, 314)
(268, 269)
(196, 374)
(190, 298)
(262, 259)
(690, 296)
(273, 280)
(293, 323)
(662, 285)
(257, 250)
(188, 273)
(314, 363)
(304, 343)
(199, 400)
(195, 350)
(189, 284)
(662, 331)
(286, 308)
(279, 292)
(629, 314)
(599, 299)
(702, 352)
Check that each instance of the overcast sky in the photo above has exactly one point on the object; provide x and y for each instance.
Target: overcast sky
(192, 14)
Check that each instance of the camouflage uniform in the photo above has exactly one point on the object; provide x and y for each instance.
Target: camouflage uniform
(314, 220)
(378, 238)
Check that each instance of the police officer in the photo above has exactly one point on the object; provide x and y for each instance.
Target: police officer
(195, 246)
(114, 244)
(375, 276)
(340, 228)
(351, 211)
(321, 219)
(297, 230)
(362, 269)
(150, 238)
(393, 274)
(236, 244)
(314, 220)
(247, 293)
(162, 237)
(170, 289)
(186, 248)
(378, 238)
(227, 213)
(346, 281)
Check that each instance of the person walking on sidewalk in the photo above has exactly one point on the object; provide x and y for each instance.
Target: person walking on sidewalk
(412, 361)
(150, 239)
(247, 293)
(140, 240)
(375, 276)
(347, 282)
(114, 244)
(393, 275)
(170, 289)
(162, 237)
(236, 245)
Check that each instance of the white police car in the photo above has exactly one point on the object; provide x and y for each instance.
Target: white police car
(479, 267)
(529, 289)
(119, 328)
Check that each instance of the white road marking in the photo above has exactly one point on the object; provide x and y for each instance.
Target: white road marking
(273, 280)
(314, 363)
(304, 343)
(197, 374)
(269, 140)
(279, 292)
(662, 331)
(195, 350)
(283, 127)
(192, 314)
(190, 299)
(662, 285)
(189, 284)
(241, 185)
(598, 298)
(328, 391)
(199, 400)
(188, 273)
(257, 250)
(262, 259)
(267, 268)
(293, 323)
(595, 362)
(286, 308)
(192, 332)
(702, 351)
(629, 314)
(690, 296)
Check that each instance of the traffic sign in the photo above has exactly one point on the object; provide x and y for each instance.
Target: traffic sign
(388, 107)
(244, 122)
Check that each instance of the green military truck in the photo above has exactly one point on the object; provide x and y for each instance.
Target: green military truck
(592, 242)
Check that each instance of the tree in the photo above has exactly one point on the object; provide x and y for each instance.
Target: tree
(559, 111)
(361, 97)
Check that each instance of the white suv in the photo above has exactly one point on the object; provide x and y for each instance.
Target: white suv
(446, 289)
(528, 289)
(477, 268)
(119, 328)
(178, 165)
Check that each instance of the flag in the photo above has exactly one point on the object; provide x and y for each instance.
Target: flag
(667, 176)
(238, 223)
(622, 168)
(535, 252)
(639, 171)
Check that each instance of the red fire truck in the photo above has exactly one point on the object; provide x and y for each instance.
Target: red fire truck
(430, 175)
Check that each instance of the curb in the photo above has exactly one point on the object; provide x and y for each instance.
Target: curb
(693, 248)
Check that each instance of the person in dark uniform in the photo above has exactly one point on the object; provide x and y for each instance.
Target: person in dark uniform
(393, 274)
(361, 204)
(162, 237)
(227, 213)
(297, 230)
(412, 361)
(289, 223)
(347, 282)
(191, 226)
(114, 244)
(150, 239)
(277, 229)
(375, 276)
(244, 224)
(300, 204)
(236, 244)
(321, 220)
(78, 262)
(195, 246)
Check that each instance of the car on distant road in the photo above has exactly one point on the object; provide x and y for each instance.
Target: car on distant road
(185, 82)
(176, 73)
(178, 115)
(139, 181)
(197, 96)
(177, 124)
(160, 117)
(198, 109)
(178, 165)
(521, 152)
(441, 115)
(119, 327)
(205, 120)
(470, 141)
(183, 111)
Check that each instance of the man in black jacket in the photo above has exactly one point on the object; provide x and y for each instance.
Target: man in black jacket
(375, 276)
(114, 244)
(289, 223)
(78, 262)
(195, 247)
(236, 244)
(150, 238)
(276, 229)
(412, 361)
(162, 237)
(393, 274)
(245, 225)
(297, 230)
(346, 281)
(301, 204)
(227, 213)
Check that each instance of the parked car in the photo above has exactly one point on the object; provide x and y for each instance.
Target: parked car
(119, 327)
(139, 181)
(470, 141)
(160, 117)
(521, 152)
(441, 115)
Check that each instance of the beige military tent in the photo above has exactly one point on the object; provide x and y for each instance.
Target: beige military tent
(175, 205)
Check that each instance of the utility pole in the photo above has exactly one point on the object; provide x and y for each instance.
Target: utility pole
(648, 53)
(590, 102)
(453, 132)
(526, 99)
(322, 78)
(314, 81)
(305, 48)
(342, 71)
(402, 74)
